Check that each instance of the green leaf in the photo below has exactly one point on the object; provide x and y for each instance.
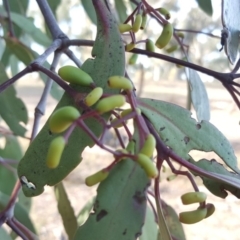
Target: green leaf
(218, 188)
(121, 10)
(231, 25)
(164, 232)
(21, 51)
(206, 6)
(27, 55)
(173, 223)
(4, 235)
(66, 211)
(182, 133)
(6, 56)
(89, 9)
(19, 212)
(199, 95)
(28, 27)
(8, 178)
(12, 110)
(150, 227)
(14, 64)
(20, 7)
(120, 205)
(85, 211)
(33, 165)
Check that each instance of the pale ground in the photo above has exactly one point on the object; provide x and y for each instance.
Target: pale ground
(224, 224)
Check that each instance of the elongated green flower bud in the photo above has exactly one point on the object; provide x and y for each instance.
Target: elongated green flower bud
(55, 152)
(165, 36)
(75, 75)
(62, 118)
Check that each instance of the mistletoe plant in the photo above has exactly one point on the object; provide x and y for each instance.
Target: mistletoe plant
(99, 96)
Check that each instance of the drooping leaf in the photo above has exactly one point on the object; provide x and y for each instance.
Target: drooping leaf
(199, 95)
(19, 212)
(27, 55)
(89, 9)
(6, 56)
(14, 64)
(231, 26)
(21, 51)
(150, 227)
(164, 232)
(182, 133)
(120, 205)
(121, 10)
(206, 6)
(20, 7)
(12, 110)
(28, 27)
(8, 177)
(218, 188)
(66, 211)
(173, 223)
(85, 211)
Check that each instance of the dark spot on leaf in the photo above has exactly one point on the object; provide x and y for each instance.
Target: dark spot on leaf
(49, 132)
(162, 128)
(186, 139)
(166, 139)
(23, 108)
(138, 235)
(125, 231)
(139, 197)
(101, 215)
(198, 126)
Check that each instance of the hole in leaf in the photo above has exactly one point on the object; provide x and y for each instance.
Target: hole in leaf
(198, 155)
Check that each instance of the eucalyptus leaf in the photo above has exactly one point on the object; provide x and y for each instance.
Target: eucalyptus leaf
(65, 209)
(120, 205)
(231, 27)
(14, 64)
(182, 133)
(206, 6)
(173, 223)
(218, 188)
(150, 227)
(89, 9)
(12, 110)
(20, 7)
(121, 10)
(8, 177)
(85, 211)
(199, 95)
(28, 27)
